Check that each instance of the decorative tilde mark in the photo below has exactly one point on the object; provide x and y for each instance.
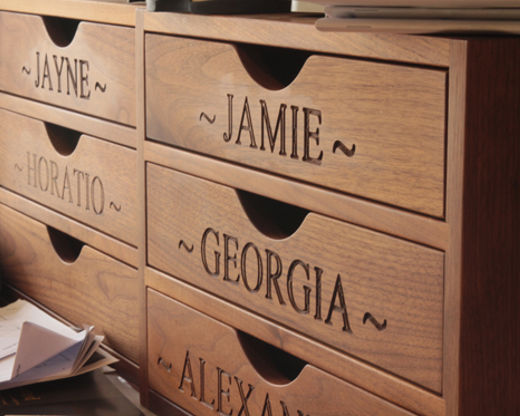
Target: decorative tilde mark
(100, 87)
(368, 317)
(26, 70)
(168, 367)
(209, 119)
(338, 144)
(114, 206)
(188, 248)
(18, 167)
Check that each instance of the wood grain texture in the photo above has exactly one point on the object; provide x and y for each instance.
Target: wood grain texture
(93, 10)
(377, 381)
(113, 132)
(141, 207)
(94, 74)
(489, 363)
(201, 364)
(300, 33)
(94, 289)
(332, 276)
(368, 129)
(424, 230)
(83, 182)
(454, 198)
(102, 242)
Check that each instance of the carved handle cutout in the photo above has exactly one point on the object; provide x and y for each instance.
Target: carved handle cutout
(60, 30)
(274, 219)
(272, 68)
(63, 140)
(66, 247)
(274, 365)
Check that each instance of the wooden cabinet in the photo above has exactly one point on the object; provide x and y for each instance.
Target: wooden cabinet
(68, 178)
(292, 221)
(333, 196)
(255, 200)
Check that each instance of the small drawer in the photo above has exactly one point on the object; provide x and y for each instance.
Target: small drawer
(88, 179)
(369, 129)
(87, 67)
(207, 367)
(76, 281)
(367, 294)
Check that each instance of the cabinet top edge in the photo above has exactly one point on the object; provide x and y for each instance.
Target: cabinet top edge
(108, 12)
(299, 32)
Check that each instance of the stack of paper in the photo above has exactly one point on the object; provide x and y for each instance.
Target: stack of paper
(421, 16)
(35, 347)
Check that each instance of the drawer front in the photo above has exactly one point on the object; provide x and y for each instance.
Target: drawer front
(77, 282)
(367, 294)
(71, 173)
(364, 128)
(207, 367)
(93, 74)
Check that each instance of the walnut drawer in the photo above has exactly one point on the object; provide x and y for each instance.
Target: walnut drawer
(76, 281)
(71, 173)
(89, 68)
(367, 294)
(375, 130)
(206, 367)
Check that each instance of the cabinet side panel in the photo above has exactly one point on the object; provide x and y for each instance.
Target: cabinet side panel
(489, 327)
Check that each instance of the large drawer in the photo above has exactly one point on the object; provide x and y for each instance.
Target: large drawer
(87, 67)
(207, 367)
(367, 294)
(76, 281)
(370, 129)
(72, 173)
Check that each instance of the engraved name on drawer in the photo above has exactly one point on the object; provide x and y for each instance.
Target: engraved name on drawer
(209, 368)
(364, 128)
(89, 179)
(367, 294)
(94, 73)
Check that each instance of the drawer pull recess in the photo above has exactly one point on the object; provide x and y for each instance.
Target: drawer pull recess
(271, 363)
(60, 30)
(272, 68)
(274, 219)
(66, 247)
(63, 140)
(210, 368)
